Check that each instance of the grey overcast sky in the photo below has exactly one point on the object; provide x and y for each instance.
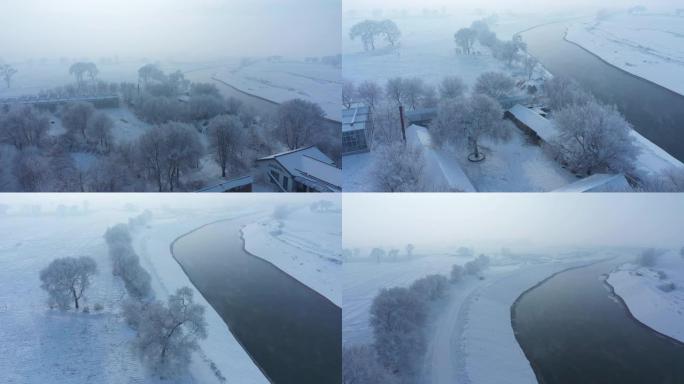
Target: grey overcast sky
(540, 219)
(168, 28)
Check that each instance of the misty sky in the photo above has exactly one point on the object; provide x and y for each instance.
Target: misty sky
(181, 29)
(522, 6)
(540, 219)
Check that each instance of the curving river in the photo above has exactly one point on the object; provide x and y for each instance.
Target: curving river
(291, 332)
(573, 329)
(655, 112)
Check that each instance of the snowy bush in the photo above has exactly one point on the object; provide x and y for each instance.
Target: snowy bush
(456, 273)
(167, 334)
(430, 288)
(66, 279)
(399, 168)
(397, 316)
(360, 365)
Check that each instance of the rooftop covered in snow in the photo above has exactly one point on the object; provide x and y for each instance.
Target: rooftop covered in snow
(355, 118)
(598, 183)
(540, 125)
(310, 166)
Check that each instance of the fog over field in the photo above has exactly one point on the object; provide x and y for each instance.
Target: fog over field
(168, 28)
(543, 220)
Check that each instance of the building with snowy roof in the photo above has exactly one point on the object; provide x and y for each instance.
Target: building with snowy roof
(301, 170)
(356, 126)
(532, 122)
(238, 184)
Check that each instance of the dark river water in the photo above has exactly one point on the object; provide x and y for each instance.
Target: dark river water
(291, 332)
(574, 330)
(655, 112)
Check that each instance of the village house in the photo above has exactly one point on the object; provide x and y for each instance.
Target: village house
(301, 170)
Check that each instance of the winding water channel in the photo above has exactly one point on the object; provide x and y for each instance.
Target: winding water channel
(573, 329)
(655, 112)
(291, 332)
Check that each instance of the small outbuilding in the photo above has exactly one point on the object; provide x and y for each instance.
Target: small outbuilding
(356, 126)
(532, 123)
(301, 170)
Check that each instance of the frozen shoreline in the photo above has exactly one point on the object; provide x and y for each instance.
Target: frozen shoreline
(305, 245)
(620, 42)
(638, 288)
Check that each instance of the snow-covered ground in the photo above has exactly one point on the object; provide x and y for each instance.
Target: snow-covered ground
(470, 338)
(638, 287)
(279, 81)
(50, 346)
(305, 244)
(647, 45)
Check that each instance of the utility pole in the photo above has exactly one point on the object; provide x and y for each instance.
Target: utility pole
(401, 117)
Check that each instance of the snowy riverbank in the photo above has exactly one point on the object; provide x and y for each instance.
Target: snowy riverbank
(305, 244)
(639, 289)
(645, 45)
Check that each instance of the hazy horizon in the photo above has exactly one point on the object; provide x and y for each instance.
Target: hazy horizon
(169, 29)
(629, 220)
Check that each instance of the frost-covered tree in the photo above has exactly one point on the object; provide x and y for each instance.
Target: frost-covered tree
(23, 126)
(126, 263)
(167, 151)
(203, 107)
(168, 334)
(298, 122)
(485, 36)
(397, 316)
(529, 65)
(360, 366)
(370, 93)
(377, 254)
(399, 168)
(467, 121)
(507, 51)
(429, 97)
(75, 118)
(414, 90)
(465, 38)
(99, 131)
(473, 267)
(430, 288)
(452, 87)
(390, 32)
(494, 84)
(409, 250)
(395, 90)
(31, 170)
(456, 274)
(7, 72)
(366, 30)
(594, 138)
(648, 257)
(149, 72)
(66, 279)
(226, 141)
(563, 91)
(348, 93)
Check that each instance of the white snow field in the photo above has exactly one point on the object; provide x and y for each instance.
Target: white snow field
(306, 244)
(638, 287)
(49, 346)
(648, 45)
(279, 81)
(470, 338)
